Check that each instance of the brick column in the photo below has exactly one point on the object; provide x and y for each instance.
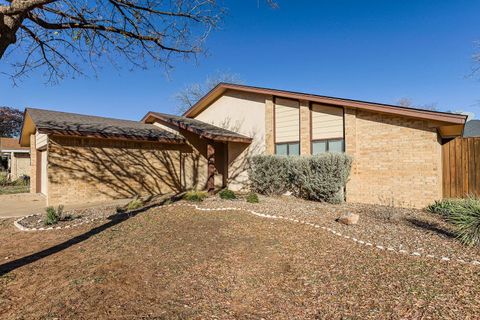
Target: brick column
(269, 126)
(350, 125)
(33, 165)
(305, 137)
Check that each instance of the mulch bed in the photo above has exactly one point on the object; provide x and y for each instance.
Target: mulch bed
(73, 216)
(412, 230)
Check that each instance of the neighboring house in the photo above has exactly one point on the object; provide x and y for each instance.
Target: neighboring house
(17, 158)
(472, 129)
(397, 151)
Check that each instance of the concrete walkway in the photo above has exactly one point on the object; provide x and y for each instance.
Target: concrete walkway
(23, 204)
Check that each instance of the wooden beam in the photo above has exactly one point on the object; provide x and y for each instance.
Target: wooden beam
(211, 167)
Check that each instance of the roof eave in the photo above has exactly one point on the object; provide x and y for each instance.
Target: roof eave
(71, 133)
(444, 117)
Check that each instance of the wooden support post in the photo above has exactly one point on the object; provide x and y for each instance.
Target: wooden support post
(211, 167)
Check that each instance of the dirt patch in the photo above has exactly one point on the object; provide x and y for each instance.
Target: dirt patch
(181, 263)
(412, 230)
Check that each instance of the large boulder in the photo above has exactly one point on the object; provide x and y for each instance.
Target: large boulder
(349, 218)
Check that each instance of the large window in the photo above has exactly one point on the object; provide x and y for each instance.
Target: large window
(287, 149)
(328, 145)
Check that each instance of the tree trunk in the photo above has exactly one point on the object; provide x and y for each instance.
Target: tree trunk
(8, 28)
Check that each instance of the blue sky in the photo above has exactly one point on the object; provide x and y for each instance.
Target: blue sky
(378, 51)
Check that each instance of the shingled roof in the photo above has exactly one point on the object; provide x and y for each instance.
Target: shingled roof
(203, 129)
(63, 123)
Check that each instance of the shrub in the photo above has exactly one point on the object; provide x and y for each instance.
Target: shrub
(252, 198)
(320, 178)
(269, 174)
(464, 214)
(53, 215)
(23, 180)
(194, 195)
(466, 219)
(3, 178)
(134, 204)
(227, 194)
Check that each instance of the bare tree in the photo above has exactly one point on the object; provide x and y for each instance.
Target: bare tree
(408, 103)
(61, 35)
(194, 92)
(10, 122)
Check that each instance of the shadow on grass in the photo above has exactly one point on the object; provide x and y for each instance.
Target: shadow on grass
(114, 220)
(431, 227)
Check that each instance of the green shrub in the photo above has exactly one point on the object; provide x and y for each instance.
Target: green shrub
(3, 178)
(320, 178)
(194, 195)
(135, 204)
(23, 180)
(227, 194)
(466, 219)
(52, 216)
(464, 214)
(252, 198)
(269, 174)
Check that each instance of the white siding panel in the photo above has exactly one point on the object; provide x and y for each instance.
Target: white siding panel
(327, 122)
(287, 120)
(41, 140)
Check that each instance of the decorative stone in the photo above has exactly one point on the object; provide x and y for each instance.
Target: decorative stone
(349, 218)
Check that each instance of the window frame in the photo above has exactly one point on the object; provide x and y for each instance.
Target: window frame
(287, 143)
(327, 144)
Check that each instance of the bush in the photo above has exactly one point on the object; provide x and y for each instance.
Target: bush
(195, 195)
(23, 180)
(464, 214)
(269, 174)
(227, 194)
(3, 178)
(320, 178)
(54, 215)
(252, 198)
(134, 204)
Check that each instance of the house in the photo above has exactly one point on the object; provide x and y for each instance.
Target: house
(397, 151)
(16, 158)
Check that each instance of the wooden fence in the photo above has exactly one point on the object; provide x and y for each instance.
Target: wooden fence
(461, 167)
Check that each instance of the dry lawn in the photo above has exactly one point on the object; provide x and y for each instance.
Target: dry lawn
(177, 263)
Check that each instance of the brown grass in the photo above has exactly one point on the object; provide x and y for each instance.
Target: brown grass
(176, 263)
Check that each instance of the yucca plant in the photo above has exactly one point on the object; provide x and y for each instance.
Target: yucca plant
(466, 218)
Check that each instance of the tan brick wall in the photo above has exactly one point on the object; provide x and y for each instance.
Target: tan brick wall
(33, 165)
(397, 160)
(90, 170)
(269, 126)
(305, 137)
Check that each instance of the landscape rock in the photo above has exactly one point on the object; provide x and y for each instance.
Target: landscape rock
(349, 218)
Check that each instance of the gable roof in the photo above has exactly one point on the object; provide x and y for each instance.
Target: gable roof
(63, 123)
(203, 129)
(215, 93)
(472, 129)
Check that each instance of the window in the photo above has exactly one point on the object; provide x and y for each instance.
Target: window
(330, 145)
(287, 149)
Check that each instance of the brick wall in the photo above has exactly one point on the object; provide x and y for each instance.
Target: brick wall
(90, 170)
(33, 165)
(397, 160)
(305, 138)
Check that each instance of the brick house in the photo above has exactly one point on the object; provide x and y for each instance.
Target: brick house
(396, 150)
(15, 157)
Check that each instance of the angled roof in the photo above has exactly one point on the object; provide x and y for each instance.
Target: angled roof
(11, 144)
(203, 129)
(472, 129)
(444, 117)
(63, 123)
